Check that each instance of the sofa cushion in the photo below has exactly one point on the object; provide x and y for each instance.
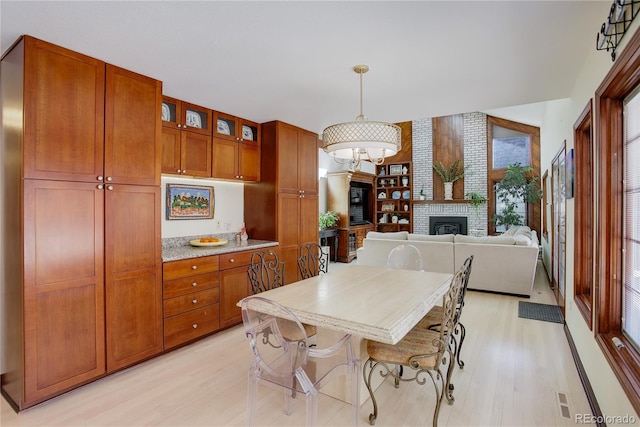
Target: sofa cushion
(432, 238)
(397, 235)
(490, 240)
(522, 240)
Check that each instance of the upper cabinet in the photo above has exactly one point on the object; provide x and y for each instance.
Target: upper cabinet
(235, 129)
(184, 116)
(236, 148)
(186, 138)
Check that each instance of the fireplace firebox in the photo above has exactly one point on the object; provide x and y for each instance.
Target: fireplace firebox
(447, 225)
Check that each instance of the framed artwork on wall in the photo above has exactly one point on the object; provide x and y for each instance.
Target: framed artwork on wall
(190, 202)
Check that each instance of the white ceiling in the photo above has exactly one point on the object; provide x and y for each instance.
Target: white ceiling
(293, 60)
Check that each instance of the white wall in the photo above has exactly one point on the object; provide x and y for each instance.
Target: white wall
(557, 127)
(228, 211)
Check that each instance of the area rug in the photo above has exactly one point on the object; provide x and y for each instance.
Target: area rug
(544, 312)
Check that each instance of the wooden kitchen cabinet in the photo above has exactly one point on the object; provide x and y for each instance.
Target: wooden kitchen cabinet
(191, 294)
(234, 285)
(283, 206)
(235, 160)
(82, 252)
(236, 129)
(186, 149)
(182, 115)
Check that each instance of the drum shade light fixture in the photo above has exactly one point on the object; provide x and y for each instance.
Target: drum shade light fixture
(361, 139)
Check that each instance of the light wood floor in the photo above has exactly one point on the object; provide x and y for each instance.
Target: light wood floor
(514, 368)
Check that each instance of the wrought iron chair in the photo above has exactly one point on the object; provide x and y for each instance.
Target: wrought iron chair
(281, 353)
(405, 257)
(312, 260)
(422, 351)
(432, 319)
(267, 272)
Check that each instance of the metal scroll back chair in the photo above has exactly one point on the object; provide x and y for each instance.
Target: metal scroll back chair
(266, 271)
(422, 351)
(432, 319)
(405, 257)
(312, 260)
(281, 353)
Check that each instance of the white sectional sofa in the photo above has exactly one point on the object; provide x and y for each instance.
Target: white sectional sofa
(504, 264)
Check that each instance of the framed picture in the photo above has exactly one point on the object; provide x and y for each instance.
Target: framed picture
(395, 169)
(569, 165)
(189, 202)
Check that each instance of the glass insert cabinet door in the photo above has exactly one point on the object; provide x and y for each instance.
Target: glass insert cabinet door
(186, 116)
(235, 128)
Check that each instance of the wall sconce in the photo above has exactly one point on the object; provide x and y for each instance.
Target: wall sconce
(621, 15)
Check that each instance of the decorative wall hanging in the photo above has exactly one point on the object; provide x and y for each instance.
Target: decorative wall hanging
(621, 14)
(189, 202)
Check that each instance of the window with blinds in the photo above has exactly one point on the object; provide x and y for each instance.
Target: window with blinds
(631, 233)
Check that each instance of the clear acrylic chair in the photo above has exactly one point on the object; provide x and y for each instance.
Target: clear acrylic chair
(281, 353)
(405, 257)
(312, 260)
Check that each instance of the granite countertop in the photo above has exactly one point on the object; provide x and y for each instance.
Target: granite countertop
(178, 248)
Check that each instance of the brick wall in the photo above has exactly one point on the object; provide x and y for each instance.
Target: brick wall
(475, 180)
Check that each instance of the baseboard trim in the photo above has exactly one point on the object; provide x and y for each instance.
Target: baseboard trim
(591, 397)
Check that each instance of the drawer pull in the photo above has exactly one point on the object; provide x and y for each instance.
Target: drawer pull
(195, 301)
(195, 326)
(194, 267)
(232, 260)
(194, 284)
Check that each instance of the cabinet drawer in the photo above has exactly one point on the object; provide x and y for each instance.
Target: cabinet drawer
(192, 301)
(190, 325)
(236, 259)
(189, 267)
(187, 285)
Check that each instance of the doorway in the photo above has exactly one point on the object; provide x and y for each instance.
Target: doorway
(558, 216)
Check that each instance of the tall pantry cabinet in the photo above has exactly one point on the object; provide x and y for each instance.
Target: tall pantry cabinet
(283, 206)
(82, 262)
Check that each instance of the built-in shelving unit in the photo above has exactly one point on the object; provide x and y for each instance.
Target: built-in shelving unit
(394, 197)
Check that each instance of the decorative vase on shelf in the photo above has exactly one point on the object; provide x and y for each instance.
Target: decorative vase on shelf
(405, 181)
(448, 190)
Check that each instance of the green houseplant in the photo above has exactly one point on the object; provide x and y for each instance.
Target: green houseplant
(328, 219)
(476, 200)
(513, 189)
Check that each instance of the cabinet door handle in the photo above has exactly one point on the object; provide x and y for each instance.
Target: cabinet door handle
(109, 187)
(195, 301)
(179, 125)
(194, 267)
(232, 260)
(194, 284)
(241, 177)
(100, 178)
(179, 171)
(100, 187)
(184, 171)
(195, 326)
(109, 179)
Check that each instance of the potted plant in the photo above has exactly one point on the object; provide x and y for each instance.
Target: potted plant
(476, 200)
(423, 195)
(327, 220)
(513, 189)
(449, 175)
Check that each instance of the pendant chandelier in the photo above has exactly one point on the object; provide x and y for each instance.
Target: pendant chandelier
(361, 139)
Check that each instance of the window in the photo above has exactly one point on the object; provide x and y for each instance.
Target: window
(509, 143)
(631, 222)
(617, 213)
(584, 232)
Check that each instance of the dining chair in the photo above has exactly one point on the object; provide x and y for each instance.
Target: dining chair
(432, 319)
(282, 354)
(266, 272)
(312, 260)
(406, 257)
(424, 352)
